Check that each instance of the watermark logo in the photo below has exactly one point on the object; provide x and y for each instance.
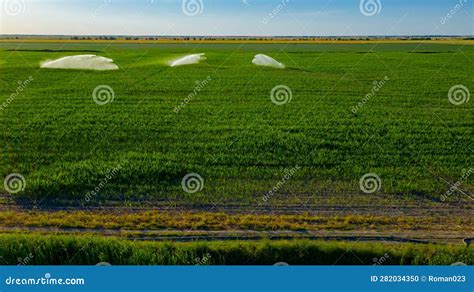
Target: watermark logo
(459, 94)
(111, 173)
(192, 183)
(192, 7)
(378, 85)
(47, 279)
(200, 85)
(21, 86)
(288, 174)
(14, 7)
(103, 94)
(26, 260)
(275, 11)
(281, 94)
(370, 183)
(14, 183)
(370, 7)
(205, 260)
(445, 19)
(456, 187)
(104, 5)
(382, 260)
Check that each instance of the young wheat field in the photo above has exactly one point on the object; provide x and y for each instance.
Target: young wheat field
(350, 141)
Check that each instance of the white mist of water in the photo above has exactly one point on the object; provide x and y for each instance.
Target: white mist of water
(81, 62)
(264, 60)
(188, 60)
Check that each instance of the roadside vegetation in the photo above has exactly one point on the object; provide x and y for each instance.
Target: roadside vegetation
(78, 250)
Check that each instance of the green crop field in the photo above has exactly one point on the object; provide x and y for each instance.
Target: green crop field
(365, 141)
(217, 119)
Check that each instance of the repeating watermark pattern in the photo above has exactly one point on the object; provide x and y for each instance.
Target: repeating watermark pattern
(370, 7)
(378, 85)
(103, 94)
(26, 260)
(459, 94)
(21, 86)
(192, 7)
(14, 7)
(200, 85)
(382, 260)
(111, 173)
(281, 94)
(14, 183)
(370, 183)
(275, 11)
(192, 183)
(445, 18)
(288, 174)
(465, 176)
(104, 5)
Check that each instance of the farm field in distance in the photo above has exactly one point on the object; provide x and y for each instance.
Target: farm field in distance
(351, 142)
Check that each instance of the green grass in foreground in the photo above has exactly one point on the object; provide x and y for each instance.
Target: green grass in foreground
(64, 250)
(230, 132)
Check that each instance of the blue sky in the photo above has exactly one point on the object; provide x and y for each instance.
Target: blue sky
(238, 17)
